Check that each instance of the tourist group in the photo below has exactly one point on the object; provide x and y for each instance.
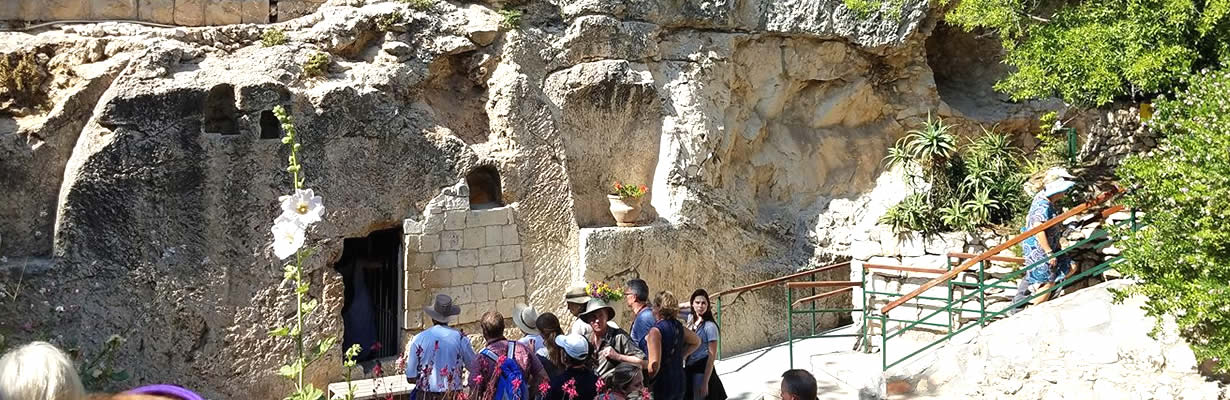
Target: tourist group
(662, 356)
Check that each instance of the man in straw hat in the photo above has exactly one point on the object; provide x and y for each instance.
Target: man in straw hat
(1044, 274)
(616, 349)
(576, 298)
(436, 356)
(526, 319)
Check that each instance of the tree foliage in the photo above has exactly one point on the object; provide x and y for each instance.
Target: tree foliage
(1089, 53)
(1182, 258)
(1093, 52)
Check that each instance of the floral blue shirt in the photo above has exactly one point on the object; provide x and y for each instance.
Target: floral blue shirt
(1040, 211)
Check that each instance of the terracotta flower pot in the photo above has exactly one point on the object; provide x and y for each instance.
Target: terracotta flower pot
(626, 210)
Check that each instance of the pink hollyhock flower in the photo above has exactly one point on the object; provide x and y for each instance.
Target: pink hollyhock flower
(543, 387)
(377, 370)
(478, 379)
(570, 388)
(600, 385)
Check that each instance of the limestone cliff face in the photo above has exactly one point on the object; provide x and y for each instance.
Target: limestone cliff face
(140, 196)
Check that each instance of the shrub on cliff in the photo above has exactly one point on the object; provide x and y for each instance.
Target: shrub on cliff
(956, 189)
(1182, 258)
(22, 76)
(1090, 53)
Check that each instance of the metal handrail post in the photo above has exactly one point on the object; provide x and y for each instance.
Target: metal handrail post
(982, 294)
(813, 309)
(948, 305)
(719, 323)
(884, 341)
(866, 340)
(790, 324)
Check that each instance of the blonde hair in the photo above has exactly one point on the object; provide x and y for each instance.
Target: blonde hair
(667, 306)
(39, 371)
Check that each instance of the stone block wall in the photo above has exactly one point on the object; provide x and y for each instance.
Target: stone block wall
(474, 256)
(169, 12)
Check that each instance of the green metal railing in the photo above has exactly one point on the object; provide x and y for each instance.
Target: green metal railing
(1073, 149)
(845, 286)
(809, 274)
(980, 289)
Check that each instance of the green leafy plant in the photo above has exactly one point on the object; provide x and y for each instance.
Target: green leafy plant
(317, 65)
(630, 191)
(1181, 260)
(386, 22)
(1093, 52)
(421, 5)
(511, 18)
(98, 371)
(977, 185)
(273, 37)
(22, 76)
(299, 211)
(349, 363)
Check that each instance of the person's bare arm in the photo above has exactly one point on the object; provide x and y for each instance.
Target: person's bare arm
(704, 384)
(653, 341)
(691, 342)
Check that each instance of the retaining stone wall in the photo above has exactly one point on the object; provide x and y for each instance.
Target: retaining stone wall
(170, 12)
(474, 256)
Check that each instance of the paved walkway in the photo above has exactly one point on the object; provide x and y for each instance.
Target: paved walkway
(757, 374)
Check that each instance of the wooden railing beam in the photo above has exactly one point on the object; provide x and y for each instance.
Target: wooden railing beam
(997, 249)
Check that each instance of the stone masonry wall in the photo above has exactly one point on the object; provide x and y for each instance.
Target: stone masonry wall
(170, 12)
(474, 256)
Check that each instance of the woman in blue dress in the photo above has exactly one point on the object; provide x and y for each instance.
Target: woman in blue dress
(1044, 274)
(669, 343)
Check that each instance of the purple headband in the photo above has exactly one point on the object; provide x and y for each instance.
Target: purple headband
(168, 391)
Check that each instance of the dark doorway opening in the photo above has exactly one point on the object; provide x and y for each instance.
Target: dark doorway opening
(271, 128)
(221, 116)
(371, 273)
(484, 183)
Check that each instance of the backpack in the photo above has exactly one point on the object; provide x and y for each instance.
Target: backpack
(509, 371)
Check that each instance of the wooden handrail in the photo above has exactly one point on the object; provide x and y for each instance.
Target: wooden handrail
(823, 295)
(804, 285)
(997, 249)
(769, 282)
(904, 269)
(1009, 259)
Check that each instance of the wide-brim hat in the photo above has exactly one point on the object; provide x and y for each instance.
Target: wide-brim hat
(1058, 173)
(526, 319)
(576, 295)
(1057, 187)
(442, 308)
(595, 305)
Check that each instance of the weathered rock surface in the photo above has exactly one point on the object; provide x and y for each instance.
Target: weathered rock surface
(1078, 346)
(759, 127)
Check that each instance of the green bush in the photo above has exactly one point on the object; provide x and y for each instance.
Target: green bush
(512, 18)
(421, 5)
(1093, 52)
(386, 22)
(965, 188)
(273, 37)
(1182, 258)
(316, 66)
(21, 80)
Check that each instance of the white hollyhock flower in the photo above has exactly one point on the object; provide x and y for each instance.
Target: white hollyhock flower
(287, 236)
(303, 206)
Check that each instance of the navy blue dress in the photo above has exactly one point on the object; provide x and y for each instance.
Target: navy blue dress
(669, 383)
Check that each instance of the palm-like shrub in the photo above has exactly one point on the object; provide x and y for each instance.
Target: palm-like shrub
(956, 189)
